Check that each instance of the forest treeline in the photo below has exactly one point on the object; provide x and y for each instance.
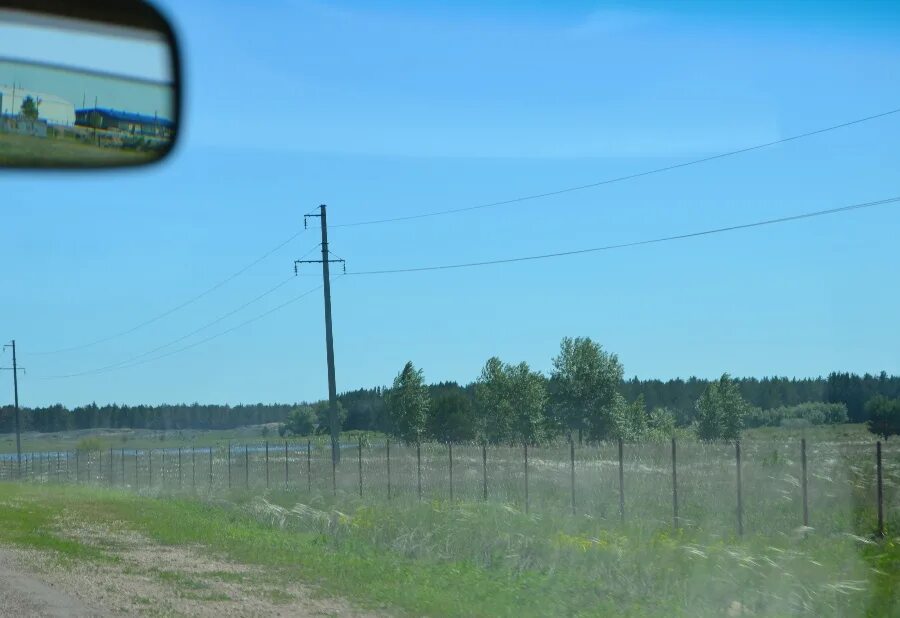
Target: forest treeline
(771, 399)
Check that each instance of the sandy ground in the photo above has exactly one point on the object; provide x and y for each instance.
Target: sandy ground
(151, 580)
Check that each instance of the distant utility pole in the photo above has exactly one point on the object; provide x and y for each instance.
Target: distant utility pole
(15, 369)
(329, 340)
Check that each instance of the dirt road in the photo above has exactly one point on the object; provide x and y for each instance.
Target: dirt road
(24, 594)
(139, 577)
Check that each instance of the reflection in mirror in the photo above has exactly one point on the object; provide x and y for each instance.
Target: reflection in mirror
(75, 93)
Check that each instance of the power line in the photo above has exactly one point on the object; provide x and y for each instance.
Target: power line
(169, 312)
(731, 228)
(174, 341)
(608, 181)
(202, 341)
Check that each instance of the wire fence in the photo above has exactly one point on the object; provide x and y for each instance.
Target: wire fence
(754, 486)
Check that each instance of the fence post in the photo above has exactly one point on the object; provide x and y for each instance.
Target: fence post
(267, 464)
(162, 468)
(285, 465)
(805, 501)
(137, 461)
(150, 468)
(77, 477)
(194, 466)
(419, 467)
(388, 446)
(484, 469)
(180, 484)
(229, 464)
(621, 482)
(450, 455)
(740, 503)
(308, 466)
(880, 490)
(334, 445)
(58, 466)
(111, 479)
(210, 466)
(99, 465)
(359, 458)
(122, 456)
(572, 460)
(674, 488)
(246, 465)
(525, 451)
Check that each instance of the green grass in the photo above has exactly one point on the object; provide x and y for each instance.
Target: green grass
(471, 559)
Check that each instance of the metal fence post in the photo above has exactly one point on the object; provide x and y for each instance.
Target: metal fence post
(388, 446)
(180, 484)
(334, 456)
(805, 499)
(150, 468)
(621, 482)
(359, 458)
(246, 465)
(419, 467)
(880, 490)
(484, 470)
(308, 466)
(194, 466)
(229, 464)
(285, 465)
(450, 455)
(267, 464)
(122, 456)
(77, 477)
(674, 488)
(525, 452)
(210, 466)
(740, 502)
(572, 459)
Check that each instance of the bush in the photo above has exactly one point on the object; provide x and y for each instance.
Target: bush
(87, 445)
(811, 412)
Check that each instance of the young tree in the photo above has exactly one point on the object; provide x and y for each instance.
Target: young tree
(493, 410)
(510, 403)
(583, 386)
(452, 417)
(301, 421)
(884, 416)
(408, 403)
(721, 410)
(30, 108)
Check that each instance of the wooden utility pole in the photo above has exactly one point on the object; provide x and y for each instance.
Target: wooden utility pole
(15, 370)
(329, 339)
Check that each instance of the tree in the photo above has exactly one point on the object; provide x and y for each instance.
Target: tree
(30, 108)
(884, 416)
(452, 418)
(625, 421)
(510, 403)
(721, 410)
(323, 421)
(301, 421)
(583, 386)
(408, 404)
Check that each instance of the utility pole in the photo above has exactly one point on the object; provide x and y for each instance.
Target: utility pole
(329, 340)
(15, 369)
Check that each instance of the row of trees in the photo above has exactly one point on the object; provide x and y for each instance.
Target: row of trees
(511, 403)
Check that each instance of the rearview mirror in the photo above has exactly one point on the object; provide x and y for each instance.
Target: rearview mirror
(86, 84)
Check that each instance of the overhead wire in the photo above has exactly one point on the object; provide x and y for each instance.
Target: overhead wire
(196, 343)
(730, 228)
(176, 308)
(658, 170)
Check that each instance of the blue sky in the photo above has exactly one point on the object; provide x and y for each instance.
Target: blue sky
(394, 108)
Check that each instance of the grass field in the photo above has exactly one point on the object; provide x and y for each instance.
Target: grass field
(30, 151)
(468, 557)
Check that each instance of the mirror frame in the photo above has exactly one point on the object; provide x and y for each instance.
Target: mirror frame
(129, 13)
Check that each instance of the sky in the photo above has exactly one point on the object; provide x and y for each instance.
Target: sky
(122, 68)
(389, 109)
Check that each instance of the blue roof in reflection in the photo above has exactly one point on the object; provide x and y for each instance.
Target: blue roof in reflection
(128, 116)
